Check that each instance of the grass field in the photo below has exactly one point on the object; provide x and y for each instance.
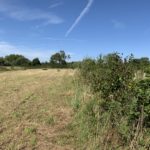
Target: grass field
(35, 111)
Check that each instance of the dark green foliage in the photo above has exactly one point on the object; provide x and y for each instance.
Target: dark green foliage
(59, 59)
(141, 104)
(107, 76)
(141, 63)
(145, 62)
(22, 61)
(74, 64)
(147, 71)
(87, 68)
(123, 98)
(16, 60)
(36, 62)
(2, 61)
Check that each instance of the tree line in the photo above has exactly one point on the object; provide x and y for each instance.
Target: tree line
(57, 60)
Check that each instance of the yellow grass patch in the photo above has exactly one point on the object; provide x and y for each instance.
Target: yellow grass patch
(34, 109)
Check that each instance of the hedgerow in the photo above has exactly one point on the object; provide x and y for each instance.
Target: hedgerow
(121, 113)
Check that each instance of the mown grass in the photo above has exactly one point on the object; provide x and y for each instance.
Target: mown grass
(35, 109)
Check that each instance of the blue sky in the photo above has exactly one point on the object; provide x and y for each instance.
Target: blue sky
(39, 28)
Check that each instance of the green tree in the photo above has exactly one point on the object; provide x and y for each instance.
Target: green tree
(140, 63)
(16, 60)
(36, 62)
(144, 62)
(2, 61)
(22, 61)
(59, 58)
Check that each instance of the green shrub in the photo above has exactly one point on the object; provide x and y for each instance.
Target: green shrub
(141, 104)
(122, 105)
(86, 69)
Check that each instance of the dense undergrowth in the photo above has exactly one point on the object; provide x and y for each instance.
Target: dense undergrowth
(112, 106)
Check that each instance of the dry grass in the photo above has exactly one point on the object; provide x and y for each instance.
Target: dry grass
(34, 109)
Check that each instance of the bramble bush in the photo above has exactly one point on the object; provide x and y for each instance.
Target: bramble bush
(124, 100)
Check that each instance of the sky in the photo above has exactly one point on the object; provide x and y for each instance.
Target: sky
(83, 28)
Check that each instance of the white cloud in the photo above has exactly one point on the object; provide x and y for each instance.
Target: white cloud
(82, 14)
(44, 55)
(54, 5)
(7, 48)
(26, 14)
(31, 15)
(118, 25)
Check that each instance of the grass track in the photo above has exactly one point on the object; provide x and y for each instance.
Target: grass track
(34, 109)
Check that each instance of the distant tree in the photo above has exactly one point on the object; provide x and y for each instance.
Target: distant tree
(59, 58)
(144, 61)
(46, 62)
(2, 61)
(16, 60)
(112, 58)
(55, 58)
(140, 63)
(11, 59)
(22, 61)
(36, 62)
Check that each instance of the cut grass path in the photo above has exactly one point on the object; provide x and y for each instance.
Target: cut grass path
(35, 111)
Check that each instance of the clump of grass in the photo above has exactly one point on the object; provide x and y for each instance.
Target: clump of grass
(33, 141)
(77, 99)
(12, 146)
(30, 130)
(50, 120)
(30, 96)
(17, 114)
(76, 104)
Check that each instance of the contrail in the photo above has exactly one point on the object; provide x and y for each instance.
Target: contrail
(84, 11)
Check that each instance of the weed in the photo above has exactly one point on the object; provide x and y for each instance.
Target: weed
(33, 140)
(76, 104)
(50, 120)
(30, 130)
(17, 114)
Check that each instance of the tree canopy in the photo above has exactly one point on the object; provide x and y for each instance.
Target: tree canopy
(36, 62)
(16, 60)
(2, 61)
(59, 58)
